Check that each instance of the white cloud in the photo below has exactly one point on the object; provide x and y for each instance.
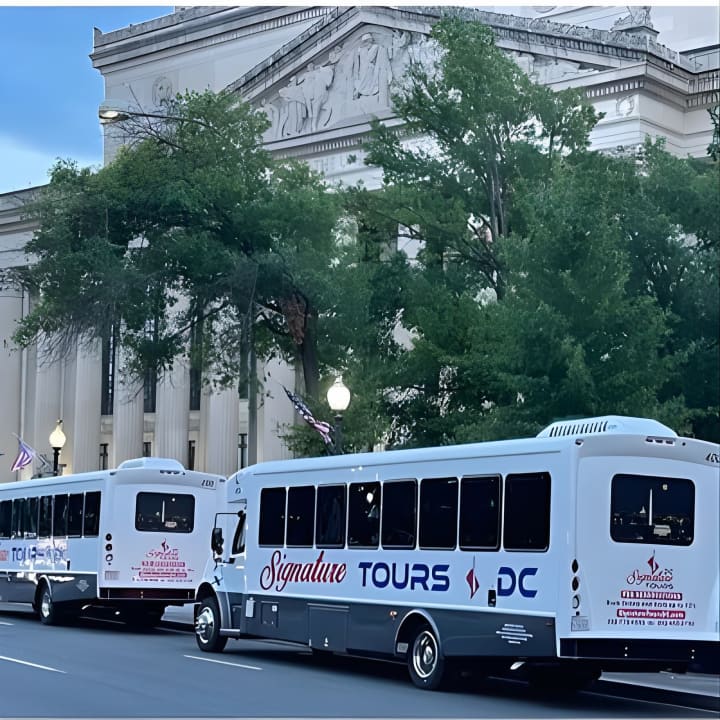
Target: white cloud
(22, 166)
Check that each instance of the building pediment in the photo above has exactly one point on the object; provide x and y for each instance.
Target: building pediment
(336, 76)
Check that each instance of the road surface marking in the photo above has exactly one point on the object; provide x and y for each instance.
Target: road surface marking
(35, 665)
(222, 662)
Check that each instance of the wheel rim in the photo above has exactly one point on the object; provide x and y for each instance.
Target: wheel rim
(46, 604)
(205, 624)
(425, 654)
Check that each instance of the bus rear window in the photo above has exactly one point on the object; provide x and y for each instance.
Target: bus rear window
(164, 512)
(652, 510)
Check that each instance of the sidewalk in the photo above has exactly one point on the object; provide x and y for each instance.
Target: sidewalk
(688, 687)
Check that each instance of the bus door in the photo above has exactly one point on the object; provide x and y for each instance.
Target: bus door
(646, 559)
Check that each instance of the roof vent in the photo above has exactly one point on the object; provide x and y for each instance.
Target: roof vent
(164, 465)
(614, 424)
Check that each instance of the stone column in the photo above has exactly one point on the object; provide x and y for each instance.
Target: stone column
(128, 416)
(87, 400)
(219, 427)
(45, 403)
(172, 408)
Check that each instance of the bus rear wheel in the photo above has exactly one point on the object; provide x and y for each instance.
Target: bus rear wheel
(207, 627)
(425, 662)
(47, 610)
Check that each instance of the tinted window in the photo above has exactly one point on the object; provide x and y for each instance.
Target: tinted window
(480, 513)
(91, 524)
(399, 514)
(45, 520)
(527, 512)
(272, 517)
(363, 514)
(18, 517)
(438, 513)
(164, 512)
(301, 516)
(75, 515)
(30, 523)
(60, 516)
(5, 518)
(330, 523)
(646, 509)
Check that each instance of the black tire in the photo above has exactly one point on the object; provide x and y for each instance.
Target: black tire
(46, 608)
(207, 627)
(426, 664)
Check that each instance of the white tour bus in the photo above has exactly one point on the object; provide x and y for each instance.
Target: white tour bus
(593, 546)
(131, 539)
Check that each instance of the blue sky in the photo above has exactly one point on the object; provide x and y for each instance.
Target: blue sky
(49, 90)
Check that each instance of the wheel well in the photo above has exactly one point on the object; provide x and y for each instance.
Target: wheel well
(410, 625)
(204, 591)
(42, 582)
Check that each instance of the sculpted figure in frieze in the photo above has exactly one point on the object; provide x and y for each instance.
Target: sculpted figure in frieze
(636, 17)
(353, 81)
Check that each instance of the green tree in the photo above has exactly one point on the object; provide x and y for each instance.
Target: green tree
(193, 227)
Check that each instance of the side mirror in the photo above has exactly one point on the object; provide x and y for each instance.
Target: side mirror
(216, 541)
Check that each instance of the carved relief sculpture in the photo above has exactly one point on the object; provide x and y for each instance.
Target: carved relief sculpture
(371, 71)
(294, 110)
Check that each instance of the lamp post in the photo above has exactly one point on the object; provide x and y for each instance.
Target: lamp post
(338, 397)
(111, 112)
(57, 443)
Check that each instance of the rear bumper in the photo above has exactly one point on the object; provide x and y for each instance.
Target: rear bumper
(640, 654)
(133, 593)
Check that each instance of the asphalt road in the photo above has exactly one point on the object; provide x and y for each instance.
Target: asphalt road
(103, 669)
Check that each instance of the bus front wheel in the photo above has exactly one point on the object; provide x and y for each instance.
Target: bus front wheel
(425, 662)
(207, 627)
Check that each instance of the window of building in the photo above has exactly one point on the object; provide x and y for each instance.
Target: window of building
(164, 512)
(103, 456)
(364, 514)
(480, 513)
(196, 359)
(330, 523)
(649, 509)
(147, 449)
(191, 455)
(301, 516)
(526, 521)
(399, 514)
(242, 450)
(272, 517)
(438, 513)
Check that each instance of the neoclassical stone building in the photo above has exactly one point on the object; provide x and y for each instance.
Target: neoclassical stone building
(320, 73)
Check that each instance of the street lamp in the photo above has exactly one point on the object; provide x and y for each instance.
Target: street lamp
(111, 112)
(57, 443)
(338, 397)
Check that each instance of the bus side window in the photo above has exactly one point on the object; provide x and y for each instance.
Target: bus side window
(91, 522)
(18, 515)
(45, 519)
(30, 523)
(526, 521)
(330, 510)
(364, 514)
(5, 518)
(238, 543)
(75, 515)
(60, 516)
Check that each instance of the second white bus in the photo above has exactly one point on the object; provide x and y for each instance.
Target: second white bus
(591, 547)
(132, 540)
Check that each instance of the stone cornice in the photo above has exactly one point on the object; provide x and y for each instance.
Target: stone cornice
(194, 25)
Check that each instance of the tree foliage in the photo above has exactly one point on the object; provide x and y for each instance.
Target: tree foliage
(192, 226)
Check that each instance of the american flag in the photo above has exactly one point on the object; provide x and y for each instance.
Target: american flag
(322, 427)
(24, 457)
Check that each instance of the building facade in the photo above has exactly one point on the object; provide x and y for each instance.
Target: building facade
(321, 74)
